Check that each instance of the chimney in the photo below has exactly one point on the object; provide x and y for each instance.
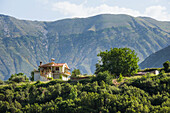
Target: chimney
(40, 63)
(52, 59)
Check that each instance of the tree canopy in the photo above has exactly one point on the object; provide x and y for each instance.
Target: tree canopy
(166, 66)
(118, 61)
(20, 77)
(75, 72)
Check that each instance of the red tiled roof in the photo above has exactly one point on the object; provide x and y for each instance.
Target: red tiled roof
(52, 64)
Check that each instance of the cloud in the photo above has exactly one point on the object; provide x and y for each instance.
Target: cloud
(82, 10)
(157, 12)
(156, 1)
(43, 1)
(69, 9)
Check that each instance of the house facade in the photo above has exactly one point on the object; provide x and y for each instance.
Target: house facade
(52, 69)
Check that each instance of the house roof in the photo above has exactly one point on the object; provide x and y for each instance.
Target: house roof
(53, 64)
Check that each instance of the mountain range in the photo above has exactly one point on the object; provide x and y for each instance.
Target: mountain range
(77, 41)
(156, 59)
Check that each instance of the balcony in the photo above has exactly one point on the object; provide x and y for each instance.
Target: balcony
(56, 72)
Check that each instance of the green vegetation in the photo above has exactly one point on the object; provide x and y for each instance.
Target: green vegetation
(104, 76)
(120, 78)
(1, 82)
(148, 94)
(50, 78)
(145, 94)
(32, 76)
(166, 66)
(75, 72)
(150, 69)
(118, 61)
(60, 77)
(20, 77)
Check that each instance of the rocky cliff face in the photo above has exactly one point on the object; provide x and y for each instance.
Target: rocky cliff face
(23, 44)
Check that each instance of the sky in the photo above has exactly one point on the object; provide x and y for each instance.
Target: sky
(51, 10)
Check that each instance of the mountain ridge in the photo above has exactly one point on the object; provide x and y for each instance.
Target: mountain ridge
(156, 59)
(23, 44)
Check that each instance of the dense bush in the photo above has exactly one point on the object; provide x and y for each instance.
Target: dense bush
(20, 77)
(104, 76)
(146, 94)
(120, 78)
(166, 67)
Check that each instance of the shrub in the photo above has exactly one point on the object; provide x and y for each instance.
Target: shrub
(20, 77)
(32, 76)
(120, 78)
(60, 77)
(50, 78)
(162, 74)
(85, 81)
(104, 76)
(38, 82)
(1, 82)
(148, 75)
(143, 77)
(166, 66)
(2, 97)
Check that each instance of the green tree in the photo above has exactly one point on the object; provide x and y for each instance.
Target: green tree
(166, 66)
(75, 72)
(32, 76)
(118, 61)
(20, 77)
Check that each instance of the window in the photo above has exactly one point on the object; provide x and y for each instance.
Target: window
(57, 68)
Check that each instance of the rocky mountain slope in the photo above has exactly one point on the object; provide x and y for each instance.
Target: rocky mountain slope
(157, 59)
(23, 43)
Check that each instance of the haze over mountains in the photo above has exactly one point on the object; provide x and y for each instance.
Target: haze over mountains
(157, 59)
(23, 43)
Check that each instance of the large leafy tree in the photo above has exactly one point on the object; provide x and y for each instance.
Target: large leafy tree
(75, 72)
(118, 61)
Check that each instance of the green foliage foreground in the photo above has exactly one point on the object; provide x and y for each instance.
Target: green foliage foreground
(147, 94)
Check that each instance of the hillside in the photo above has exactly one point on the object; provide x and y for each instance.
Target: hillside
(23, 43)
(147, 94)
(156, 59)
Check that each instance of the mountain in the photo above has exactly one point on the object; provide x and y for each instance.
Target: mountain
(156, 59)
(23, 43)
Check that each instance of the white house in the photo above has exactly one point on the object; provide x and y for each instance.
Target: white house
(55, 70)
